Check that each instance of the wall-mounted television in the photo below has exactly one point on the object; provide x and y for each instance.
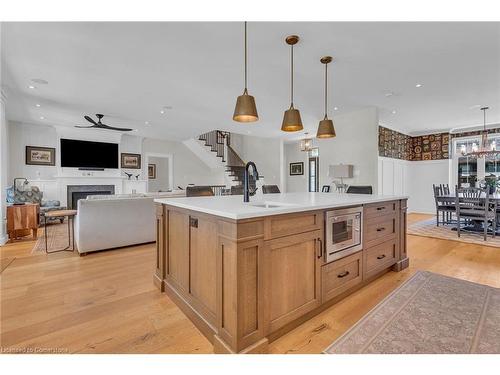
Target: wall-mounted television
(86, 154)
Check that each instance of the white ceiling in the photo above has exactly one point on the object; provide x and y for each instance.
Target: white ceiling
(129, 71)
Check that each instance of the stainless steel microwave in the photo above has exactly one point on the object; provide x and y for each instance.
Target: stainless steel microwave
(343, 232)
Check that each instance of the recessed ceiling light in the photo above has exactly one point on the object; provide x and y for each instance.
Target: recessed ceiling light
(37, 105)
(42, 118)
(335, 108)
(146, 122)
(418, 85)
(39, 81)
(162, 111)
(31, 87)
(394, 112)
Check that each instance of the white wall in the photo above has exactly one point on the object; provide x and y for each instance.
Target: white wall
(266, 153)
(161, 180)
(187, 168)
(356, 143)
(4, 166)
(393, 176)
(22, 135)
(422, 175)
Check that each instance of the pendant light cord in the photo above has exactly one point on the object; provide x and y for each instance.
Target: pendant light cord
(246, 57)
(326, 89)
(291, 90)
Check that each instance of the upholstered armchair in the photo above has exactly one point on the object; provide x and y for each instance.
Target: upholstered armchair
(34, 195)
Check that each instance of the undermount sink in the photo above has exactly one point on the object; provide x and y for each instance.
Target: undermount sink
(271, 204)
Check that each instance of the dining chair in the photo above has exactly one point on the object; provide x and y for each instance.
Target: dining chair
(325, 189)
(237, 190)
(473, 204)
(199, 191)
(360, 189)
(443, 206)
(270, 189)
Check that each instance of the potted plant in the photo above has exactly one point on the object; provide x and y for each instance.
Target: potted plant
(492, 183)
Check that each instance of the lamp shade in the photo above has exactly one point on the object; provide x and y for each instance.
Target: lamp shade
(291, 120)
(245, 109)
(340, 171)
(325, 129)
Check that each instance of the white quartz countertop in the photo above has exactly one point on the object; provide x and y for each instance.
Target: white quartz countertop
(233, 207)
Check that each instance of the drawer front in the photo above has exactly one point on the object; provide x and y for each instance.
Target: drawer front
(285, 225)
(380, 257)
(380, 209)
(379, 229)
(341, 275)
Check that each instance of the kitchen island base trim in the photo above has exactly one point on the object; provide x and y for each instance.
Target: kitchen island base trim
(246, 282)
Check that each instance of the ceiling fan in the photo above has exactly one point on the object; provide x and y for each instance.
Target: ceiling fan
(100, 125)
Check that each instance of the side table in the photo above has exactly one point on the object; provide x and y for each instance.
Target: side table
(70, 214)
(22, 217)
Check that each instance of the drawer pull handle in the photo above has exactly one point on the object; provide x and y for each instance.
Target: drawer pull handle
(380, 208)
(381, 256)
(380, 229)
(343, 274)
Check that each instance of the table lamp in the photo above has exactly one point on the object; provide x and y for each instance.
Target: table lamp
(340, 171)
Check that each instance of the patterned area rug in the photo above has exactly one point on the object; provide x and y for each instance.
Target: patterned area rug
(57, 239)
(428, 228)
(431, 314)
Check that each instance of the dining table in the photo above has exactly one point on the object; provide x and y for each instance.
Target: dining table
(476, 226)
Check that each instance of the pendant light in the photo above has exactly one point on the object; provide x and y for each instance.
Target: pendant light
(291, 119)
(484, 150)
(306, 143)
(325, 127)
(245, 110)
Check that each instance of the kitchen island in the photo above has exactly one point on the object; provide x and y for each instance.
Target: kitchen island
(247, 273)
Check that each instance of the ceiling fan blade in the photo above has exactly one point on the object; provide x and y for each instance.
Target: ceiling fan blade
(102, 126)
(85, 127)
(90, 119)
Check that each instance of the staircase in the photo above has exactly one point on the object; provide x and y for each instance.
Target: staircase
(220, 143)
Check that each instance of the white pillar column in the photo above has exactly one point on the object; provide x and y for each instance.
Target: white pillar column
(4, 165)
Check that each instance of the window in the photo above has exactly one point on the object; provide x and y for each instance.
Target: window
(468, 170)
(314, 170)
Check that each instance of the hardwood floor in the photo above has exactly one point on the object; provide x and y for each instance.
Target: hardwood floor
(106, 302)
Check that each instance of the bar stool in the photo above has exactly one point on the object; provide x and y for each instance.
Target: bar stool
(70, 214)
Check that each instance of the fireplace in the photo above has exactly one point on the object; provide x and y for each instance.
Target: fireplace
(77, 192)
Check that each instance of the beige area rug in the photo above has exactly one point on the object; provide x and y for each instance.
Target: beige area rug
(428, 228)
(57, 239)
(429, 313)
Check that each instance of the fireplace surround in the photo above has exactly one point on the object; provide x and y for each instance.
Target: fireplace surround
(76, 192)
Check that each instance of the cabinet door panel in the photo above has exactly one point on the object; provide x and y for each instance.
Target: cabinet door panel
(293, 283)
(203, 263)
(178, 248)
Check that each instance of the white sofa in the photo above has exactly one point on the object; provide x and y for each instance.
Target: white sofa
(106, 222)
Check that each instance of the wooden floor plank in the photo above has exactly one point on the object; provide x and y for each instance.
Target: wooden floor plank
(106, 302)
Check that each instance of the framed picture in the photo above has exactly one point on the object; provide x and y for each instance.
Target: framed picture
(40, 156)
(297, 169)
(131, 161)
(152, 171)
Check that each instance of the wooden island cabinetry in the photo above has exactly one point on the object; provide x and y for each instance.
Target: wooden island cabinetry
(245, 282)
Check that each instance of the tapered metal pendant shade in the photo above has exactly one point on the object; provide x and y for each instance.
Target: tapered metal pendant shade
(291, 120)
(325, 129)
(245, 110)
